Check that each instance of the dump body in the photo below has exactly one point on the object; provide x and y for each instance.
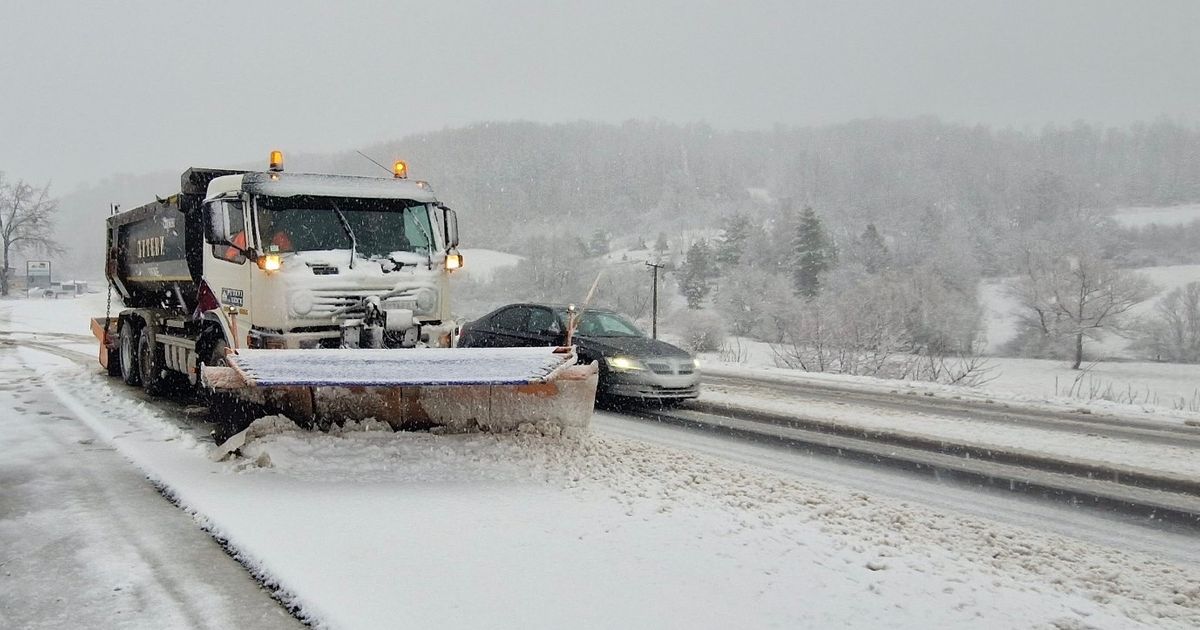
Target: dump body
(155, 250)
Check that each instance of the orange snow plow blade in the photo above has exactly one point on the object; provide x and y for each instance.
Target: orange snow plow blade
(494, 389)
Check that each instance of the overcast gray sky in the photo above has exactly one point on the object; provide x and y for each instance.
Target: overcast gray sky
(130, 87)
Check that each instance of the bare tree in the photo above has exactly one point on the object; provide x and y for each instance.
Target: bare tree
(1172, 331)
(26, 223)
(1076, 296)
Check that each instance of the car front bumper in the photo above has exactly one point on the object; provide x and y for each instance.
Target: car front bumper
(647, 384)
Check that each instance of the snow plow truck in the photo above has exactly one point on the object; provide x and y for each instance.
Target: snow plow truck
(322, 297)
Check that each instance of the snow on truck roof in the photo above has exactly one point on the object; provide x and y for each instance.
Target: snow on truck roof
(291, 184)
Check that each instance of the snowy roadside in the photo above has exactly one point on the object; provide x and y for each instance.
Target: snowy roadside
(378, 529)
(1030, 383)
(1067, 445)
(364, 528)
(85, 542)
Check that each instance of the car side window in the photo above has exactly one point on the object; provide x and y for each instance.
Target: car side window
(541, 320)
(512, 319)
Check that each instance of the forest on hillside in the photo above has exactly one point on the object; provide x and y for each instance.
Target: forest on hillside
(839, 242)
(518, 179)
(515, 180)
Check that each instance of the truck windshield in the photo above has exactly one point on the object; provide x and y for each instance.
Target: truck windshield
(308, 223)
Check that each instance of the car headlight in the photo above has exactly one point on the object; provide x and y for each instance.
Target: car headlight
(696, 362)
(624, 363)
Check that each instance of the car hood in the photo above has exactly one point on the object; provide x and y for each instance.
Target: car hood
(630, 346)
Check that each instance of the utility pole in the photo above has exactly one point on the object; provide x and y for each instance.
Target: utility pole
(654, 300)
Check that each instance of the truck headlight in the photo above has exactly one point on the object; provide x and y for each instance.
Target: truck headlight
(270, 262)
(624, 363)
(301, 303)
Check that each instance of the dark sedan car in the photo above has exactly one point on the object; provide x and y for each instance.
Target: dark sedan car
(632, 365)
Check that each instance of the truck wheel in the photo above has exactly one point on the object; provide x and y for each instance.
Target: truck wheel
(129, 364)
(150, 362)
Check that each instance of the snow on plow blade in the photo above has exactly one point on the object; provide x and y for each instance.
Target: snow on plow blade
(497, 389)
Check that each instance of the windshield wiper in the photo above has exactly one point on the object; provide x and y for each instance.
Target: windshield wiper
(349, 232)
(428, 238)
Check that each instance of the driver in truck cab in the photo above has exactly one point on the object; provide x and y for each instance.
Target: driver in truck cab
(279, 239)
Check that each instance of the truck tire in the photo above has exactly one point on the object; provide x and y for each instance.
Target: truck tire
(150, 364)
(128, 360)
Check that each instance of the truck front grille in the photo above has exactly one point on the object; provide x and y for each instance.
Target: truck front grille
(328, 302)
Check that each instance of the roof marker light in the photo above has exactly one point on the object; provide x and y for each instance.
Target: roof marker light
(400, 169)
(277, 161)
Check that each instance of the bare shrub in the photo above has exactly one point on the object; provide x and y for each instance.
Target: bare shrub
(700, 331)
(901, 327)
(966, 370)
(733, 351)
(1089, 387)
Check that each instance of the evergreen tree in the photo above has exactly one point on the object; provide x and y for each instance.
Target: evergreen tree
(813, 253)
(872, 250)
(660, 244)
(732, 242)
(598, 245)
(697, 273)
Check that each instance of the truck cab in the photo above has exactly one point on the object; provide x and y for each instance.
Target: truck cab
(311, 261)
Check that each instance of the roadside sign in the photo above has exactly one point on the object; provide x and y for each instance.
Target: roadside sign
(37, 273)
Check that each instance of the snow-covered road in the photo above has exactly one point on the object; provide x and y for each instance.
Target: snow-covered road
(629, 526)
(1163, 447)
(87, 542)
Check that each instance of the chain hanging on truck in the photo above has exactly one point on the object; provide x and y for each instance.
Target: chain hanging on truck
(108, 313)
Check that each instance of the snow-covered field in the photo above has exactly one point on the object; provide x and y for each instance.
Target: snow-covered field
(483, 264)
(1163, 215)
(367, 529)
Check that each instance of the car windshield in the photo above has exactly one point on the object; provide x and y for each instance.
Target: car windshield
(603, 324)
(309, 223)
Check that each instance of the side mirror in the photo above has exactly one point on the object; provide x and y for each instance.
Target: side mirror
(215, 231)
(450, 227)
(224, 221)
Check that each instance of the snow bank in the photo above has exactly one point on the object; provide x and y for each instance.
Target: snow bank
(1160, 391)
